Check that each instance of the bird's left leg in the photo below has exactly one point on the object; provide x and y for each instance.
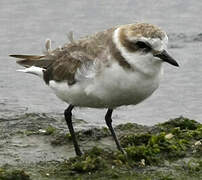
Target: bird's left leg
(108, 119)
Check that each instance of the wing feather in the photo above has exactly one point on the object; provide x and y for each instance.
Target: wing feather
(76, 61)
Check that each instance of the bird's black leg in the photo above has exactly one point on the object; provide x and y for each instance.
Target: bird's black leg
(108, 119)
(68, 118)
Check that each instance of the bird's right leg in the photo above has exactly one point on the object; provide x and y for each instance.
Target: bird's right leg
(68, 118)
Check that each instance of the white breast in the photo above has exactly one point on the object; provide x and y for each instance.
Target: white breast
(112, 88)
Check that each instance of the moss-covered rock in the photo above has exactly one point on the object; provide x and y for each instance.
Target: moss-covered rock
(181, 122)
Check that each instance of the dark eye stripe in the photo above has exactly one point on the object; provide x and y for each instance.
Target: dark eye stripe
(137, 46)
(142, 45)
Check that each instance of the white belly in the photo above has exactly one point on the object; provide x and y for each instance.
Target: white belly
(114, 87)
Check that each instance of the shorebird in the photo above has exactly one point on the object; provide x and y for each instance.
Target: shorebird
(119, 66)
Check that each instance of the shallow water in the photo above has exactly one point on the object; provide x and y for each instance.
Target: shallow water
(24, 26)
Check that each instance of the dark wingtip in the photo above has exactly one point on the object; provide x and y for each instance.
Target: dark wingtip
(12, 55)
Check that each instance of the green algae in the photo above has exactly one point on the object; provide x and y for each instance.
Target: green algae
(155, 147)
(168, 144)
(127, 126)
(91, 161)
(93, 134)
(174, 140)
(13, 175)
(50, 130)
(135, 139)
(170, 150)
(181, 122)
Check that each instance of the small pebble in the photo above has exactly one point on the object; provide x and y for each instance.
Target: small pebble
(42, 130)
(197, 143)
(169, 136)
(142, 162)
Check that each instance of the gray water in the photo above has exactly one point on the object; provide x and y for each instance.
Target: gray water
(24, 26)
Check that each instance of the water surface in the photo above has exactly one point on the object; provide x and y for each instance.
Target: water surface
(26, 24)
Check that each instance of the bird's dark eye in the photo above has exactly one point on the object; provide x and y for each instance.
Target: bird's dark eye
(143, 45)
(138, 46)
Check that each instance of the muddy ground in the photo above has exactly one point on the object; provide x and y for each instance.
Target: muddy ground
(38, 146)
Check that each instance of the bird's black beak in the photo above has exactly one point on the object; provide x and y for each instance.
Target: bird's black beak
(164, 56)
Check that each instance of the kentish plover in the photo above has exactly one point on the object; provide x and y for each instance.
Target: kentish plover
(116, 67)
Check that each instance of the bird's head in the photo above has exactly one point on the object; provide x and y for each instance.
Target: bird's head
(143, 42)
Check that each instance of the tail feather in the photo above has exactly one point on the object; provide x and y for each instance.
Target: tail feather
(32, 60)
(33, 70)
(20, 56)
